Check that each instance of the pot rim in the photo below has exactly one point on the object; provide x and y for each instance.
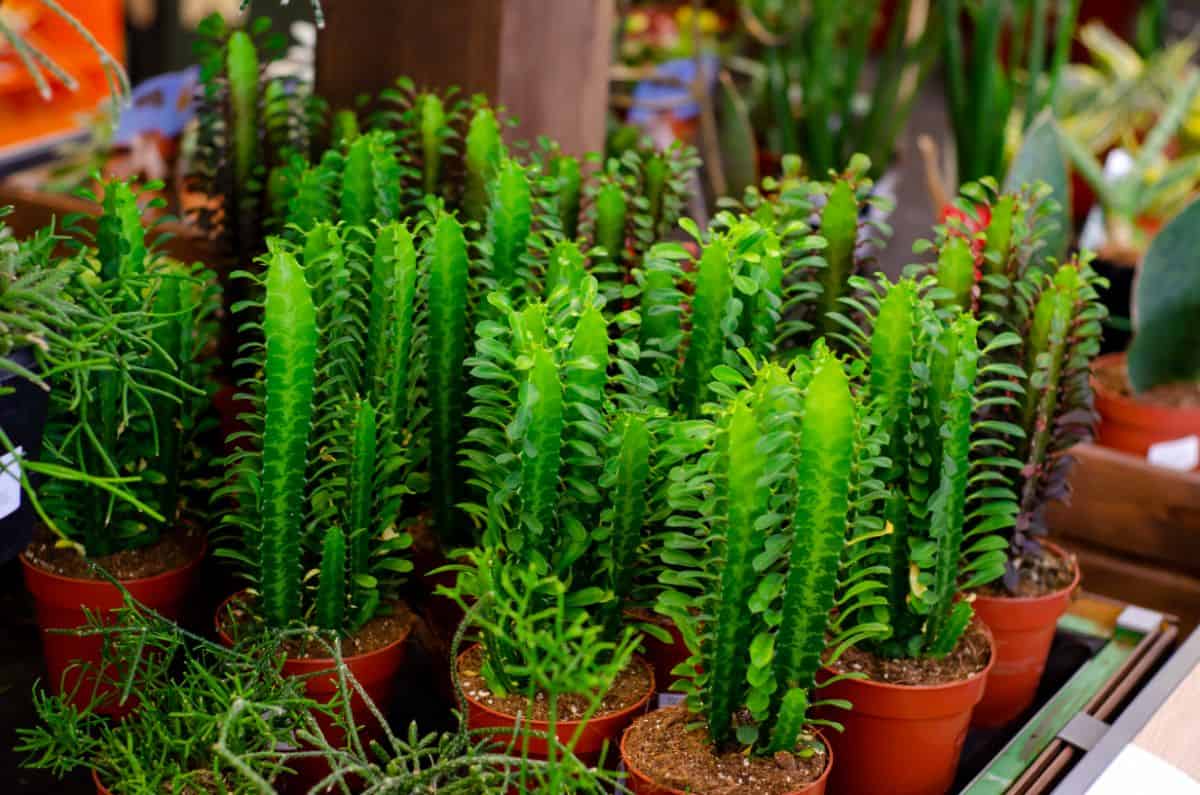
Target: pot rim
(1146, 414)
(349, 659)
(100, 788)
(1068, 589)
(634, 769)
(640, 705)
(942, 687)
(136, 581)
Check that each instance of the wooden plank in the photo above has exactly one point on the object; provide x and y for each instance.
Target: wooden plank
(1122, 504)
(1149, 585)
(546, 62)
(1171, 733)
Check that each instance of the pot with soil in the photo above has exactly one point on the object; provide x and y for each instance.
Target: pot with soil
(1023, 627)
(1132, 422)
(663, 757)
(905, 732)
(64, 585)
(627, 698)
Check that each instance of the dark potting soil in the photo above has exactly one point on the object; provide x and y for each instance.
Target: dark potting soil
(1114, 376)
(172, 551)
(661, 746)
(969, 657)
(383, 630)
(631, 686)
(1040, 574)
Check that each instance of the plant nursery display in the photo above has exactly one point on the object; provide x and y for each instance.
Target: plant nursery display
(124, 418)
(663, 470)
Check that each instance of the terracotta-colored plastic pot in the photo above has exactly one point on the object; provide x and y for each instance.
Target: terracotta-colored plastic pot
(596, 732)
(1023, 629)
(100, 788)
(901, 739)
(375, 671)
(639, 783)
(60, 602)
(1132, 426)
(662, 656)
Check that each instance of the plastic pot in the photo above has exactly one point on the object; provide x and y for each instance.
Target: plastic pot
(663, 657)
(638, 783)
(1023, 629)
(23, 418)
(1131, 425)
(376, 671)
(59, 603)
(901, 739)
(597, 731)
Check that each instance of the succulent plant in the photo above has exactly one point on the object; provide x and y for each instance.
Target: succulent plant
(320, 477)
(126, 409)
(1041, 322)
(928, 380)
(772, 517)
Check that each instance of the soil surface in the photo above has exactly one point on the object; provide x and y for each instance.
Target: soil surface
(969, 657)
(661, 747)
(172, 551)
(631, 686)
(382, 630)
(1114, 377)
(1039, 574)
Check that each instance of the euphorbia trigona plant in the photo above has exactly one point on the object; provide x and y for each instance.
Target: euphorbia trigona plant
(1042, 323)
(772, 570)
(319, 478)
(927, 383)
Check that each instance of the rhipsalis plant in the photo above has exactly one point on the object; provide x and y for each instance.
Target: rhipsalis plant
(128, 406)
(1041, 321)
(928, 380)
(769, 567)
(319, 479)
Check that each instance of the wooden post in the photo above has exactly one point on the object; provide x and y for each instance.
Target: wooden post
(546, 61)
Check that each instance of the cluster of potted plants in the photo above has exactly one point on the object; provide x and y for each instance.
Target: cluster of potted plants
(737, 466)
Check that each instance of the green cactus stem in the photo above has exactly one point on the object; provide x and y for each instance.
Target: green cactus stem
(510, 218)
(570, 188)
(484, 152)
(330, 609)
(713, 289)
(839, 227)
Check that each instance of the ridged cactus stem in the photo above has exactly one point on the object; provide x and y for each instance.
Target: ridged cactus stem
(570, 186)
(330, 609)
(713, 287)
(819, 532)
(510, 219)
(173, 335)
(360, 492)
(612, 211)
(403, 302)
(290, 329)
(484, 151)
(999, 235)
(448, 282)
(746, 499)
(956, 273)
(632, 443)
(241, 67)
(839, 227)
(433, 136)
(541, 400)
(565, 268)
(949, 617)
(890, 390)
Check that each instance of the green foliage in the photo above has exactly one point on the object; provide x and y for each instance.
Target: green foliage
(128, 396)
(926, 383)
(780, 500)
(1040, 323)
(1166, 294)
(320, 478)
(484, 152)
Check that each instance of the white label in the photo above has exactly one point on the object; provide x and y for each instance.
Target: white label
(1180, 454)
(10, 482)
(1137, 770)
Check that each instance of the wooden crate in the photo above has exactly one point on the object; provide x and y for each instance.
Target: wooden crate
(1136, 530)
